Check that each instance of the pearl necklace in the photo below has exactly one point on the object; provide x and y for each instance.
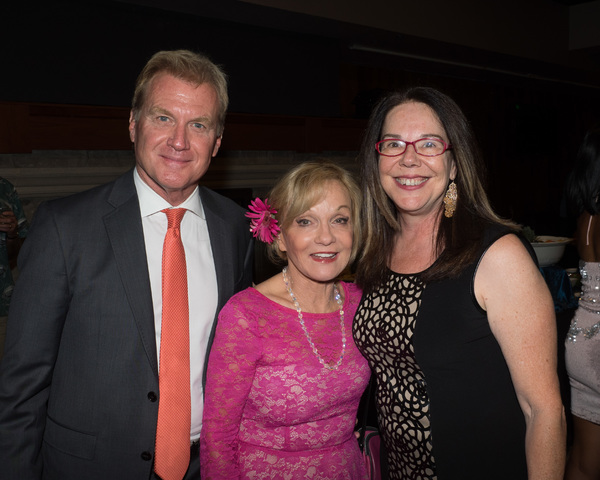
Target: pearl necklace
(338, 299)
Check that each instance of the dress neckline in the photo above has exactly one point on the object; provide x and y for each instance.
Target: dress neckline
(343, 286)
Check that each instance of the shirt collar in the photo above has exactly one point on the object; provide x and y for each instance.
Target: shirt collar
(151, 202)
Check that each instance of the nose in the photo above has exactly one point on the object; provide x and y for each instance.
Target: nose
(178, 139)
(325, 234)
(410, 156)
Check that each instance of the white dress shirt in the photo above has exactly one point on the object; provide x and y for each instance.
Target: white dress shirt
(202, 279)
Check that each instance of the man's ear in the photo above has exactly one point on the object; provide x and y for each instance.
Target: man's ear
(132, 127)
(217, 145)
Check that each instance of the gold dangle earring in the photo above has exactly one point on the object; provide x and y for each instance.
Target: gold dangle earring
(450, 200)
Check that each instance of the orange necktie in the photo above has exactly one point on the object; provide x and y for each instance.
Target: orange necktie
(172, 454)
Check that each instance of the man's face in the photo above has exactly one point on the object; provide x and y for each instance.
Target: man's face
(175, 136)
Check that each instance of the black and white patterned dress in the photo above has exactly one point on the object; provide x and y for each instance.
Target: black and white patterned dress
(383, 331)
(446, 405)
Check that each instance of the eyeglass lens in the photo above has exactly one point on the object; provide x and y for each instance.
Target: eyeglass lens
(425, 146)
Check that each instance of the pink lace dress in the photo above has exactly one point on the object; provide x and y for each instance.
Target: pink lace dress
(272, 411)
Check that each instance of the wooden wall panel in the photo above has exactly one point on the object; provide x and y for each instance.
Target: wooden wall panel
(26, 127)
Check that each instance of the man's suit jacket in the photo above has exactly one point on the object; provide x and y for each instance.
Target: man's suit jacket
(79, 380)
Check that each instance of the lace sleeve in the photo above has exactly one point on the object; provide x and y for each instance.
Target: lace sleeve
(231, 369)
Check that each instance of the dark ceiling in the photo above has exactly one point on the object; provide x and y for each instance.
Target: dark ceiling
(90, 53)
(372, 45)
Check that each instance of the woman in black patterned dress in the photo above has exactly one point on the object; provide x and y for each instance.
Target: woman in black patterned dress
(456, 320)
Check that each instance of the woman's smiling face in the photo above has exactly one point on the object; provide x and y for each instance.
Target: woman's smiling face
(415, 183)
(318, 243)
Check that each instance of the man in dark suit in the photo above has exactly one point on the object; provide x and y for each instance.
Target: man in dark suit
(79, 383)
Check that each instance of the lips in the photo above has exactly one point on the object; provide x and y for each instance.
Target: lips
(170, 158)
(411, 182)
(324, 256)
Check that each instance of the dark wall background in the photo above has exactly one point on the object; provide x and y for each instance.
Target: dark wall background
(529, 116)
(91, 52)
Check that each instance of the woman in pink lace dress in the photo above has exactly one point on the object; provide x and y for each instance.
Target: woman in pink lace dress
(284, 375)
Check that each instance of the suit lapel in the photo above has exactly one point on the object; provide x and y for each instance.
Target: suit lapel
(220, 240)
(124, 229)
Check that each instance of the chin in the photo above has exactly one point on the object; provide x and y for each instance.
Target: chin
(330, 275)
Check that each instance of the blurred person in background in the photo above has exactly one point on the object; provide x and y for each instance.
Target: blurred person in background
(13, 230)
(582, 345)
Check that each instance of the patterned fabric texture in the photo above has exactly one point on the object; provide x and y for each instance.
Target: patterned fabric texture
(583, 355)
(402, 400)
(272, 410)
(447, 407)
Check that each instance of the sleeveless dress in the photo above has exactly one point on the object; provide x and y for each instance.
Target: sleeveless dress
(582, 347)
(447, 408)
(272, 410)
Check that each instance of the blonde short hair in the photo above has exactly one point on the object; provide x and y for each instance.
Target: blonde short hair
(302, 188)
(188, 66)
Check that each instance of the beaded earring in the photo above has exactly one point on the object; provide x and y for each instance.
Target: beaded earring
(450, 200)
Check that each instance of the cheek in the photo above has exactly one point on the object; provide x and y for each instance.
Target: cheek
(349, 239)
(388, 185)
(294, 245)
(386, 176)
(445, 166)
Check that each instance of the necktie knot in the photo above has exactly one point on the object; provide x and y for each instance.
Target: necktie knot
(174, 216)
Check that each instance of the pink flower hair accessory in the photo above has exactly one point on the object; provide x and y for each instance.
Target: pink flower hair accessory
(264, 224)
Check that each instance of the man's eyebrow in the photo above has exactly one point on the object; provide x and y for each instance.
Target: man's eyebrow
(157, 110)
(163, 111)
(204, 119)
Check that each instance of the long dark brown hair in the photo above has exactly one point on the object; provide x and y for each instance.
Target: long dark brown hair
(458, 237)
